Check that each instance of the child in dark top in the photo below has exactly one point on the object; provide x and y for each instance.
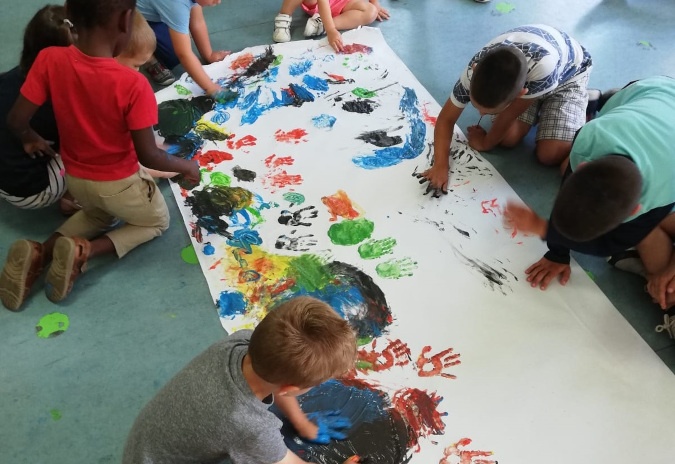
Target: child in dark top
(104, 135)
(217, 407)
(31, 182)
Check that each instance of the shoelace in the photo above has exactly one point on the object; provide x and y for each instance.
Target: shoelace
(668, 325)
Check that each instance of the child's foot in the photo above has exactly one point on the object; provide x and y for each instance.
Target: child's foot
(628, 261)
(23, 266)
(314, 26)
(282, 28)
(159, 74)
(69, 260)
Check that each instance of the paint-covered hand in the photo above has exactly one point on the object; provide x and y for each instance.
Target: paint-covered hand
(544, 271)
(218, 55)
(335, 40)
(521, 218)
(476, 137)
(190, 177)
(332, 426)
(396, 353)
(437, 177)
(434, 365)
(38, 147)
(661, 287)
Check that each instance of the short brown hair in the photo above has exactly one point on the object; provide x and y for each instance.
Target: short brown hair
(499, 76)
(48, 28)
(596, 198)
(142, 40)
(302, 342)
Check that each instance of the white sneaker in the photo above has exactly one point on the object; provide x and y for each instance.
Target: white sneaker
(314, 26)
(282, 28)
(668, 325)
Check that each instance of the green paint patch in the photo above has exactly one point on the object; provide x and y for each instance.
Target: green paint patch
(396, 268)
(220, 179)
(310, 272)
(294, 197)
(277, 60)
(189, 255)
(52, 325)
(351, 232)
(182, 90)
(56, 414)
(646, 44)
(375, 248)
(504, 7)
(363, 93)
(362, 341)
(364, 365)
(590, 274)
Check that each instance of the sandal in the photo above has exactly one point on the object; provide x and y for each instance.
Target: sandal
(69, 260)
(23, 266)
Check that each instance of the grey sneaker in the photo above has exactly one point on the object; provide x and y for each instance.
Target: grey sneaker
(282, 28)
(314, 27)
(159, 74)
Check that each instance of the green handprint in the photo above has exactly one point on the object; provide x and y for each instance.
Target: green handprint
(375, 248)
(396, 268)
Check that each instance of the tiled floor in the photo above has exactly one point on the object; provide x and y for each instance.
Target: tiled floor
(134, 323)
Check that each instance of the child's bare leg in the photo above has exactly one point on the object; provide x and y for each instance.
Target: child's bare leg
(515, 134)
(355, 13)
(656, 249)
(289, 6)
(553, 152)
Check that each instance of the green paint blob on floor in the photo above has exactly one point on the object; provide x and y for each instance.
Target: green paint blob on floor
(189, 255)
(351, 232)
(591, 275)
(52, 325)
(56, 414)
(363, 93)
(645, 44)
(220, 179)
(396, 268)
(182, 90)
(504, 7)
(375, 248)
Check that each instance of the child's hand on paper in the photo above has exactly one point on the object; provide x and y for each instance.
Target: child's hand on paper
(438, 180)
(218, 55)
(661, 287)
(544, 271)
(382, 13)
(524, 219)
(335, 40)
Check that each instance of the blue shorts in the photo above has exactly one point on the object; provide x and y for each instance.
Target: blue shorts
(164, 52)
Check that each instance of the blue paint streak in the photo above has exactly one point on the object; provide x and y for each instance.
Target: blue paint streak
(302, 93)
(315, 83)
(271, 75)
(340, 297)
(231, 304)
(220, 116)
(324, 121)
(414, 141)
(208, 249)
(244, 238)
(295, 69)
(253, 108)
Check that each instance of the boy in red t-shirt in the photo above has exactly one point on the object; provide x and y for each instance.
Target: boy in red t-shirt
(104, 113)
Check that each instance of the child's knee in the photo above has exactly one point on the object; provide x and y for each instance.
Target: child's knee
(552, 152)
(370, 13)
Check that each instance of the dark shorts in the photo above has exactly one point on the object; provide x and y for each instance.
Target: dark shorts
(164, 51)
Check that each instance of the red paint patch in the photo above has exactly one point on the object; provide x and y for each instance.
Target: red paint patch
(272, 161)
(336, 77)
(356, 48)
(418, 409)
(430, 366)
(465, 456)
(243, 61)
(340, 205)
(245, 141)
(490, 206)
(283, 179)
(427, 117)
(215, 265)
(396, 353)
(213, 156)
(292, 136)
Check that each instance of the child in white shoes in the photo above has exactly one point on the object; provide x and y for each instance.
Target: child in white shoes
(328, 16)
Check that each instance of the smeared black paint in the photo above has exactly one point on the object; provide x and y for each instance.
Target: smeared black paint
(380, 138)
(359, 106)
(463, 232)
(178, 117)
(261, 64)
(295, 243)
(243, 175)
(211, 204)
(185, 146)
(494, 278)
(298, 217)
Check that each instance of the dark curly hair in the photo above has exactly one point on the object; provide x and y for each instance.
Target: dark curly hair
(47, 28)
(87, 14)
(499, 76)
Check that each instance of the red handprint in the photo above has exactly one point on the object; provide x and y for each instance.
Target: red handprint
(465, 456)
(396, 353)
(439, 361)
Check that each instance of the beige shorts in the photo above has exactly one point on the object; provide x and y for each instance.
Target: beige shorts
(135, 201)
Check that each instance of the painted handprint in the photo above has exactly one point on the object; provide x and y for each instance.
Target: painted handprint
(396, 353)
(341, 205)
(372, 249)
(295, 243)
(434, 365)
(396, 268)
(299, 217)
(454, 455)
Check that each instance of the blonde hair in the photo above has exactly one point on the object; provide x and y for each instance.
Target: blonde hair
(303, 342)
(142, 40)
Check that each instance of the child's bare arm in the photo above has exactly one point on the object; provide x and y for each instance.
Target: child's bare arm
(290, 408)
(182, 45)
(333, 35)
(200, 35)
(18, 122)
(153, 157)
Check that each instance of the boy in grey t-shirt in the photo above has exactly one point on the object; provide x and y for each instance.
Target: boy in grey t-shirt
(217, 406)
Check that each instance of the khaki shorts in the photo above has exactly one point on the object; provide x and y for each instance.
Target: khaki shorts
(135, 201)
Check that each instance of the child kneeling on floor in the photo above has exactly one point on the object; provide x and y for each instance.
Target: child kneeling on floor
(105, 113)
(217, 407)
(329, 17)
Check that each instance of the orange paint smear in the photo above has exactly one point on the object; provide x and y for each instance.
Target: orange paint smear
(243, 61)
(340, 205)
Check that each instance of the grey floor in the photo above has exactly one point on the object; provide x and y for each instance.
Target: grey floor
(134, 323)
